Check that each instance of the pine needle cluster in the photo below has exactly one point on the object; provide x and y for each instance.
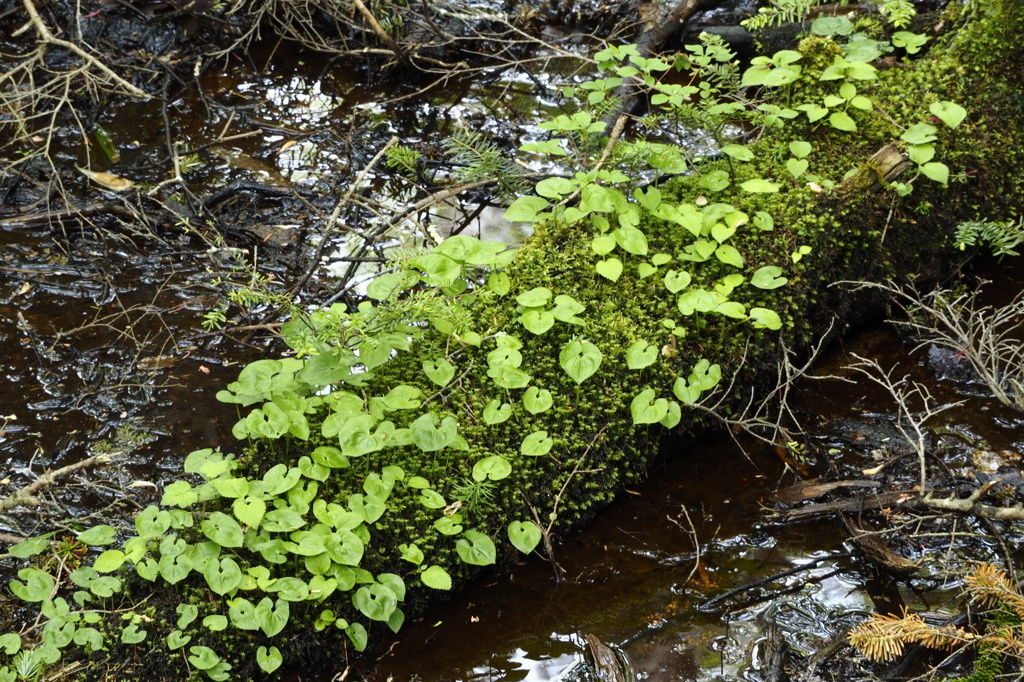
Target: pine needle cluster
(883, 638)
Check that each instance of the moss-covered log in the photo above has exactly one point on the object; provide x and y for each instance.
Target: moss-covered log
(586, 446)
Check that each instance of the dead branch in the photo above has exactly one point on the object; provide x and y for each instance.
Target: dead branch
(26, 495)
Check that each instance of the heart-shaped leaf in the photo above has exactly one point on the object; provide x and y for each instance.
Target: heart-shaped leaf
(537, 444)
(537, 320)
(799, 148)
(796, 167)
(950, 113)
(537, 400)
(538, 296)
(269, 659)
(439, 371)
(250, 510)
(272, 616)
(646, 409)
(491, 467)
(580, 359)
(641, 354)
(376, 601)
(176, 640)
(496, 412)
(476, 548)
(524, 535)
(223, 576)
(610, 268)
(677, 280)
(768, 277)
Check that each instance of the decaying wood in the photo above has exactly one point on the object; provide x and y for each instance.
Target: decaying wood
(606, 663)
(876, 550)
(899, 498)
(809, 490)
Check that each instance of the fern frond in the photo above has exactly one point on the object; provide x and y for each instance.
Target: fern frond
(781, 12)
(1002, 237)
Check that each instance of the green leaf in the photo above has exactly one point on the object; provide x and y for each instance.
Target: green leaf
(831, 26)
(732, 309)
(796, 167)
(537, 444)
(449, 525)
(921, 153)
(223, 577)
(728, 254)
(610, 268)
(603, 244)
(631, 240)
(525, 209)
(555, 188)
(912, 43)
(357, 635)
(499, 283)
(768, 277)
(580, 359)
(97, 535)
(153, 522)
(376, 601)
(282, 521)
(176, 640)
(492, 467)
(430, 439)
(230, 487)
(496, 412)
(677, 280)
(840, 120)
(223, 530)
(939, 172)
(524, 535)
(641, 354)
(716, 181)
(249, 510)
(537, 320)
(132, 634)
(437, 578)
(538, 296)
(242, 614)
(476, 549)
(800, 149)
(646, 409)
(760, 186)
(203, 657)
(645, 270)
(439, 371)
(920, 133)
(179, 494)
(738, 152)
(215, 622)
(186, 614)
(10, 643)
(764, 318)
(537, 400)
(272, 616)
(38, 585)
(109, 561)
(31, 547)
(566, 308)
(270, 659)
(673, 417)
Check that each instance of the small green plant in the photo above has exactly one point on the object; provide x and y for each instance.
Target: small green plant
(1002, 237)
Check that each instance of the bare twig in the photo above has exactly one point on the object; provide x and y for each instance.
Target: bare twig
(26, 495)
